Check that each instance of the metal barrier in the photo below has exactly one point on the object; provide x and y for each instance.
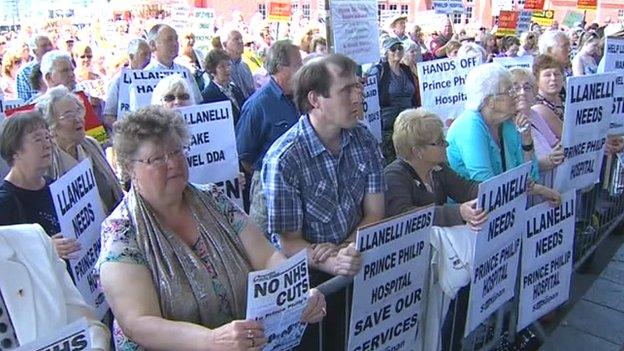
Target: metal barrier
(600, 209)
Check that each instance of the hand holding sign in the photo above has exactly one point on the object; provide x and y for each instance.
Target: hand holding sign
(238, 335)
(316, 308)
(321, 252)
(65, 246)
(556, 156)
(348, 261)
(473, 216)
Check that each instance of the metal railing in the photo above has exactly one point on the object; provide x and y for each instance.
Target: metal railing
(600, 210)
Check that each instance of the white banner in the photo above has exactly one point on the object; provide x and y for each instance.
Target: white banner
(277, 297)
(588, 106)
(141, 83)
(213, 157)
(74, 336)
(203, 21)
(614, 62)
(9, 104)
(501, 5)
(95, 88)
(180, 18)
(372, 111)
(442, 85)
(513, 62)
(388, 292)
(497, 249)
(448, 6)
(355, 29)
(80, 214)
(547, 245)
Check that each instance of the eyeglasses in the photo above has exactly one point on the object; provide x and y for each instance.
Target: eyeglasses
(159, 161)
(398, 47)
(86, 56)
(72, 115)
(439, 143)
(511, 92)
(526, 87)
(171, 97)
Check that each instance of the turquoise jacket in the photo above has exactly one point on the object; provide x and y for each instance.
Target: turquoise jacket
(474, 154)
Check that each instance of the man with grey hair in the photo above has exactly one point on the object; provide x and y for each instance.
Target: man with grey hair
(557, 44)
(139, 53)
(266, 115)
(57, 69)
(39, 45)
(232, 41)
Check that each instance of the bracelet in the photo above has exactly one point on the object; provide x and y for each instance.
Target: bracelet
(528, 147)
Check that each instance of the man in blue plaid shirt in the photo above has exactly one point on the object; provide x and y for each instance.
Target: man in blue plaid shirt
(323, 179)
(40, 45)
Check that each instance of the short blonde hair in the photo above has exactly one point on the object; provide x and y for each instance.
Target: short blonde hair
(519, 73)
(415, 128)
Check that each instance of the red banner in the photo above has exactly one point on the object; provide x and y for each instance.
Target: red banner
(534, 5)
(507, 23)
(279, 11)
(587, 4)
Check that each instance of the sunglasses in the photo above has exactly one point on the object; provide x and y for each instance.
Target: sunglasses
(398, 47)
(171, 97)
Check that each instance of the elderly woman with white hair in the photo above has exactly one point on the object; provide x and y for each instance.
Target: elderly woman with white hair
(557, 44)
(468, 49)
(484, 141)
(172, 92)
(64, 112)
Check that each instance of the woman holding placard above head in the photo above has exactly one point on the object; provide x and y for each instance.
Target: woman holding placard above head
(396, 88)
(484, 141)
(175, 256)
(65, 113)
(221, 88)
(26, 145)
(549, 104)
(584, 62)
(547, 147)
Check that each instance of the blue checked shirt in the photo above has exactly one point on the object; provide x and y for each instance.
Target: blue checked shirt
(308, 189)
(22, 82)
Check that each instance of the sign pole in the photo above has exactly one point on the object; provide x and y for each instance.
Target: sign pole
(328, 31)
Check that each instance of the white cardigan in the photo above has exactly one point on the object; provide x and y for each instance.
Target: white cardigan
(37, 290)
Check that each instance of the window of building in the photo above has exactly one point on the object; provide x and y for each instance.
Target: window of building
(468, 14)
(393, 7)
(262, 10)
(521, 2)
(470, 1)
(405, 9)
(306, 11)
(294, 7)
(456, 17)
(621, 13)
(381, 8)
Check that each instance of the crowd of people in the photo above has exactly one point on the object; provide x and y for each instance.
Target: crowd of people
(174, 255)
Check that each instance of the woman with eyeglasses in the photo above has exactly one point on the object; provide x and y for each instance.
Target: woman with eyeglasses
(396, 88)
(175, 256)
(173, 92)
(64, 112)
(83, 57)
(420, 175)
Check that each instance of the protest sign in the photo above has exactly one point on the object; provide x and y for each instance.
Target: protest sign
(448, 6)
(588, 106)
(180, 17)
(203, 22)
(80, 214)
(74, 336)
(524, 22)
(9, 105)
(513, 62)
(614, 54)
(544, 18)
(388, 291)
(280, 11)
(277, 297)
(587, 4)
(355, 29)
(571, 18)
(507, 23)
(372, 111)
(212, 156)
(95, 88)
(497, 249)
(429, 19)
(547, 244)
(500, 6)
(614, 62)
(534, 4)
(442, 85)
(136, 87)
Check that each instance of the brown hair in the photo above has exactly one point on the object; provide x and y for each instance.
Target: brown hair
(542, 62)
(14, 129)
(313, 76)
(212, 60)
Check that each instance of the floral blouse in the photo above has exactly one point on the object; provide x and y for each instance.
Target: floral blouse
(119, 245)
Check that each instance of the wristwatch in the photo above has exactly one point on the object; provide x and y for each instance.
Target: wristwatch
(528, 147)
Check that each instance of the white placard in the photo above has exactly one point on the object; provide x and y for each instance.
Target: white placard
(513, 62)
(372, 111)
(497, 249)
(501, 5)
(441, 85)
(180, 17)
(213, 157)
(203, 21)
(277, 297)
(355, 29)
(588, 106)
(141, 83)
(388, 291)
(95, 88)
(614, 54)
(547, 244)
(79, 210)
(448, 6)
(74, 336)
(614, 62)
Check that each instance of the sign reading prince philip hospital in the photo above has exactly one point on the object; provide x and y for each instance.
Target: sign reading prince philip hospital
(588, 108)
(497, 249)
(389, 289)
(80, 214)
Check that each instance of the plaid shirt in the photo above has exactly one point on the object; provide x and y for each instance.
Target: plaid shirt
(22, 82)
(310, 190)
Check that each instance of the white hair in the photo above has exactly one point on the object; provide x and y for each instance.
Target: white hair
(169, 84)
(226, 33)
(483, 81)
(135, 44)
(550, 39)
(468, 49)
(51, 57)
(45, 103)
(32, 43)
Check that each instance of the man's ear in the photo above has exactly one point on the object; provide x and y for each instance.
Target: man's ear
(314, 98)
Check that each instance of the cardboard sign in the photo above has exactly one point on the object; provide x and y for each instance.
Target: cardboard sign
(534, 4)
(448, 6)
(9, 105)
(388, 291)
(524, 22)
(74, 336)
(372, 111)
(544, 18)
(355, 29)
(614, 62)
(513, 62)
(203, 22)
(280, 11)
(587, 4)
(80, 213)
(507, 23)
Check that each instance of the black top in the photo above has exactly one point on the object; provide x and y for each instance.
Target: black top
(22, 206)
(212, 93)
